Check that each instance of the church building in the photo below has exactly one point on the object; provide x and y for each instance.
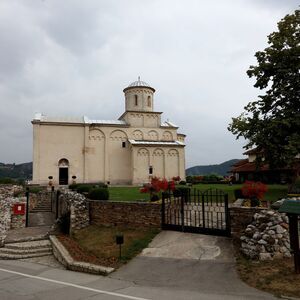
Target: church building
(130, 150)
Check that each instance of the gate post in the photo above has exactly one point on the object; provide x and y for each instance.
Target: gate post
(182, 199)
(56, 204)
(203, 210)
(163, 211)
(227, 216)
(27, 206)
(52, 193)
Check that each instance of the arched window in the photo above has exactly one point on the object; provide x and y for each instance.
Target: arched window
(149, 101)
(136, 100)
(63, 163)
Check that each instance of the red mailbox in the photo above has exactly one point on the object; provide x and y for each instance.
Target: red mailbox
(19, 209)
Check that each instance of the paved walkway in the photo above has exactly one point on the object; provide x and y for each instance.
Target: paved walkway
(27, 234)
(176, 266)
(41, 219)
(193, 262)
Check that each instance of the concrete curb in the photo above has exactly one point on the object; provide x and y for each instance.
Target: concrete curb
(63, 256)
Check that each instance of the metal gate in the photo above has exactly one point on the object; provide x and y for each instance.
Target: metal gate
(195, 211)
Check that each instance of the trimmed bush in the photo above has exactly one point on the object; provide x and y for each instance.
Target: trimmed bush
(98, 194)
(238, 194)
(154, 198)
(183, 191)
(7, 180)
(182, 182)
(86, 187)
(73, 186)
(35, 190)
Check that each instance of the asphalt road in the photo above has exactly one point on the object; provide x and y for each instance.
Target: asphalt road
(166, 270)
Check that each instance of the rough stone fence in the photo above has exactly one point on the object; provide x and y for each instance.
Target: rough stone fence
(240, 218)
(125, 213)
(8, 220)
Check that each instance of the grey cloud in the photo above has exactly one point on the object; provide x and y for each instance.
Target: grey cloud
(74, 58)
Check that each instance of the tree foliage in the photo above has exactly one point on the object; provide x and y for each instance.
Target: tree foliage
(272, 122)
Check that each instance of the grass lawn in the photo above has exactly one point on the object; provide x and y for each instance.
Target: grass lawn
(276, 277)
(275, 192)
(97, 244)
(130, 193)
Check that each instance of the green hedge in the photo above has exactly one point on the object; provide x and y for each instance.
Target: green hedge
(86, 187)
(98, 194)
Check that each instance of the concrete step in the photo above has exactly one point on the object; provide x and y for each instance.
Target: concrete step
(28, 249)
(22, 256)
(29, 245)
(5, 250)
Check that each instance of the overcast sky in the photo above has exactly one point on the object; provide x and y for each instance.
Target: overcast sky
(74, 57)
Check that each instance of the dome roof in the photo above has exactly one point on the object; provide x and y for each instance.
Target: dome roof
(138, 83)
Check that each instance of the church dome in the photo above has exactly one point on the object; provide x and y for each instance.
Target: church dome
(139, 83)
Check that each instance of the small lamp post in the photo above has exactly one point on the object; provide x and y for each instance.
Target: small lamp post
(50, 180)
(292, 209)
(74, 179)
(120, 241)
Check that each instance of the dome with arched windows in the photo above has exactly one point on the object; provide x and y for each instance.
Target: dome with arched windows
(139, 83)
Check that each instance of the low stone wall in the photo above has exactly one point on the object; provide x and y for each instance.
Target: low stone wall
(267, 237)
(7, 218)
(8, 190)
(125, 213)
(240, 218)
(17, 221)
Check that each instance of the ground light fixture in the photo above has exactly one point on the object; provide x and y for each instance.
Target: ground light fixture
(120, 242)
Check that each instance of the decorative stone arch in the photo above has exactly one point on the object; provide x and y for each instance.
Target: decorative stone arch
(167, 136)
(142, 165)
(63, 163)
(158, 152)
(172, 163)
(95, 134)
(143, 152)
(158, 161)
(118, 135)
(138, 135)
(153, 135)
(63, 171)
(173, 152)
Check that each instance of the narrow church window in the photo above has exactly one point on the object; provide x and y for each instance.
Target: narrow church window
(149, 101)
(136, 100)
(123, 144)
(150, 170)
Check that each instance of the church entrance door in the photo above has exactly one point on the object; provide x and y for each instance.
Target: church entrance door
(63, 176)
(63, 167)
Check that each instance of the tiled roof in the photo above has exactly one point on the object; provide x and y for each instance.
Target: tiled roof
(252, 167)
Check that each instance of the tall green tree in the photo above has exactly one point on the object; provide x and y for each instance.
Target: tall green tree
(272, 122)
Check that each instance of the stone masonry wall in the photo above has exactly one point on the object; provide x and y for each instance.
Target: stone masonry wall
(78, 207)
(7, 200)
(267, 237)
(240, 218)
(123, 213)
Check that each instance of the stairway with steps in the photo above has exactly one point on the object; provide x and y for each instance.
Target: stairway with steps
(42, 206)
(21, 250)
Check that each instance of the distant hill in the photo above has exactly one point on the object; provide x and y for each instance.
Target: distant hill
(221, 169)
(20, 171)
